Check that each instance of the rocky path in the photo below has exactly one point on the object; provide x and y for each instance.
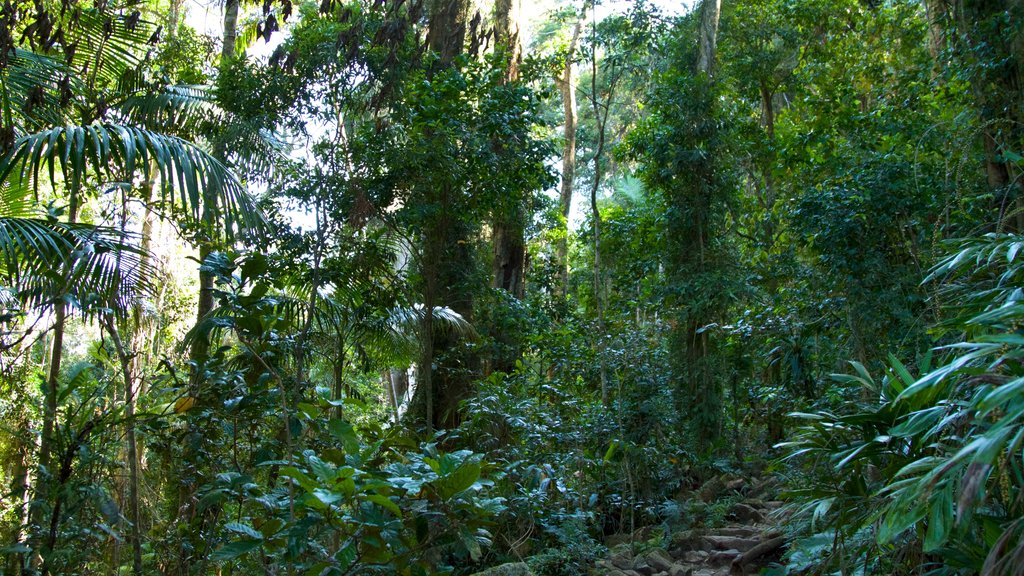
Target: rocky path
(744, 546)
(750, 541)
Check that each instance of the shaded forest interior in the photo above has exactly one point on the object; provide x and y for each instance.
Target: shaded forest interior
(566, 287)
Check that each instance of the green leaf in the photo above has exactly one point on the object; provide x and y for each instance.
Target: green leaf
(343, 431)
(233, 550)
(461, 479)
(243, 529)
(940, 519)
(299, 476)
(385, 502)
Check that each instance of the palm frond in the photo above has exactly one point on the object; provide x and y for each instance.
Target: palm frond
(188, 174)
(41, 260)
(179, 110)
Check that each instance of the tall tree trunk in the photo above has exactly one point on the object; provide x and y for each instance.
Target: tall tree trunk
(509, 223)
(709, 14)
(446, 35)
(125, 358)
(230, 36)
(50, 393)
(201, 345)
(691, 232)
(601, 113)
(992, 28)
(567, 86)
(446, 254)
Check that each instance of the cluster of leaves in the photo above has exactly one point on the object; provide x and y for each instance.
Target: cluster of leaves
(936, 457)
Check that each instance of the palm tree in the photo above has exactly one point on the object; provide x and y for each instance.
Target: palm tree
(79, 113)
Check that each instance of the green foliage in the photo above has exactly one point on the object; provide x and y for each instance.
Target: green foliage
(939, 453)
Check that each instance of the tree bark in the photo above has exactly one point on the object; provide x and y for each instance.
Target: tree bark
(125, 357)
(446, 34)
(567, 86)
(601, 118)
(446, 253)
(709, 15)
(43, 480)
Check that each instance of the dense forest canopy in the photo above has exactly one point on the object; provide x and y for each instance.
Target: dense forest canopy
(493, 286)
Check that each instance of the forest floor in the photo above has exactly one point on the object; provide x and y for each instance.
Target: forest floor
(748, 540)
(743, 540)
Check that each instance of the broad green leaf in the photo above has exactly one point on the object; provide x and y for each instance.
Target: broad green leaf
(233, 550)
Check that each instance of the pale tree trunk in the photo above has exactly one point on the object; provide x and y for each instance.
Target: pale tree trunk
(601, 112)
(201, 346)
(709, 13)
(174, 19)
(567, 86)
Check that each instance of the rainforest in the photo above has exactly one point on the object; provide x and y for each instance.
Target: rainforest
(512, 287)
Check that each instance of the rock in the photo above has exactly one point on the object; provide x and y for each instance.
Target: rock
(640, 565)
(736, 485)
(623, 561)
(659, 560)
(510, 569)
(695, 556)
(678, 570)
(684, 541)
(723, 557)
(730, 543)
(746, 513)
(756, 555)
(712, 488)
(737, 531)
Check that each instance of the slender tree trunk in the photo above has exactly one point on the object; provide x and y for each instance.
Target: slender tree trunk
(709, 15)
(46, 441)
(567, 86)
(601, 112)
(125, 357)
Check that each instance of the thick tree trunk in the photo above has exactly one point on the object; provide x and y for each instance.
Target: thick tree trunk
(447, 255)
(697, 392)
(446, 34)
(998, 86)
(230, 37)
(509, 239)
(567, 86)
